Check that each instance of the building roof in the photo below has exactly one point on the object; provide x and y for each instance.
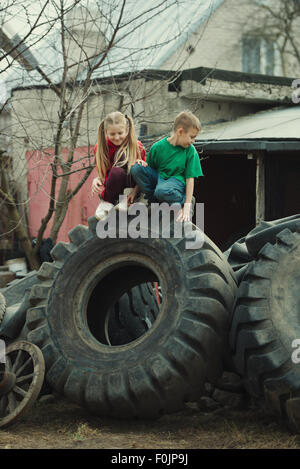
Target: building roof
(136, 49)
(279, 123)
(266, 130)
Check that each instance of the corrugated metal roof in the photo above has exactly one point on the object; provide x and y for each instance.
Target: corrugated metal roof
(279, 123)
(136, 48)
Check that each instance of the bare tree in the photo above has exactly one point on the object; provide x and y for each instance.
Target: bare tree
(36, 24)
(279, 21)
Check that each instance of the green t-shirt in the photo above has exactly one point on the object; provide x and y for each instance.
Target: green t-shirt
(174, 161)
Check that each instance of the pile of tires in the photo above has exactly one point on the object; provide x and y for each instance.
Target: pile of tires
(135, 328)
(109, 343)
(265, 327)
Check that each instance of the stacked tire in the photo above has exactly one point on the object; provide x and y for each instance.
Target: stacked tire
(14, 302)
(265, 329)
(172, 349)
(111, 344)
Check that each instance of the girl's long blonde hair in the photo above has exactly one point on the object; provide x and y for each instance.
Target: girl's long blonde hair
(128, 152)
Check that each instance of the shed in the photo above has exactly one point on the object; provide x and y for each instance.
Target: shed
(251, 172)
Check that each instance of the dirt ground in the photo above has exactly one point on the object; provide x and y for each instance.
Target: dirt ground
(61, 425)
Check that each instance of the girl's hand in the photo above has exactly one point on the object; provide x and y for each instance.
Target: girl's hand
(97, 186)
(142, 162)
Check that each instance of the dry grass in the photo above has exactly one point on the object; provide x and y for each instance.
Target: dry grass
(66, 425)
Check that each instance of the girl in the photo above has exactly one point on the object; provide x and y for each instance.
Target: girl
(116, 151)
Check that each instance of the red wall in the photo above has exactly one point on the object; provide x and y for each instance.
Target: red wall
(81, 206)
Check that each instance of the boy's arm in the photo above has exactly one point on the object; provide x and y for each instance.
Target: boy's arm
(185, 213)
(189, 190)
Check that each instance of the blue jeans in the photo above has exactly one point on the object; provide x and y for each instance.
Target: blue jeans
(156, 188)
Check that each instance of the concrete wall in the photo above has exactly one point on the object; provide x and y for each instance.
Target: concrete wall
(34, 115)
(218, 41)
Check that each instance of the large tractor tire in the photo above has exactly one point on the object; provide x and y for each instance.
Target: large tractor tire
(265, 332)
(246, 249)
(16, 300)
(155, 373)
(132, 315)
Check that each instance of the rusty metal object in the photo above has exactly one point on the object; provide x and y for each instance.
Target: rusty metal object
(21, 381)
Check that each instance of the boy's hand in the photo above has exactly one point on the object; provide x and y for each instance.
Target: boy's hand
(184, 213)
(97, 186)
(142, 162)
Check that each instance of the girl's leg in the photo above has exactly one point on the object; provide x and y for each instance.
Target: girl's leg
(170, 190)
(146, 178)
(115, 184)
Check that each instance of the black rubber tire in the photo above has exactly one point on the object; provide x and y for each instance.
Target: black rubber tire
(265, 324)
(267, 231)
(2, 306)
(238, 258)
(132, 315)
(246, 249)
(15, 290)
(162, 369)
(16, 296)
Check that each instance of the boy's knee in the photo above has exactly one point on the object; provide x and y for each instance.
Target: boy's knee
(168, 194)
(164, 191)
(136, 169)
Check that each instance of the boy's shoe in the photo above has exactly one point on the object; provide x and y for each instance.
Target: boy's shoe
(127, 191)
(122, 206)
(103, 209)
(141, 199)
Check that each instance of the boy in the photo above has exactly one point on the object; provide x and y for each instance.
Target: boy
(171, 166)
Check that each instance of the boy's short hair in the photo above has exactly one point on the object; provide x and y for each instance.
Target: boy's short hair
(186, 120)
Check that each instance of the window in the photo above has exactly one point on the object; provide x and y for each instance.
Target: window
(258, 55)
